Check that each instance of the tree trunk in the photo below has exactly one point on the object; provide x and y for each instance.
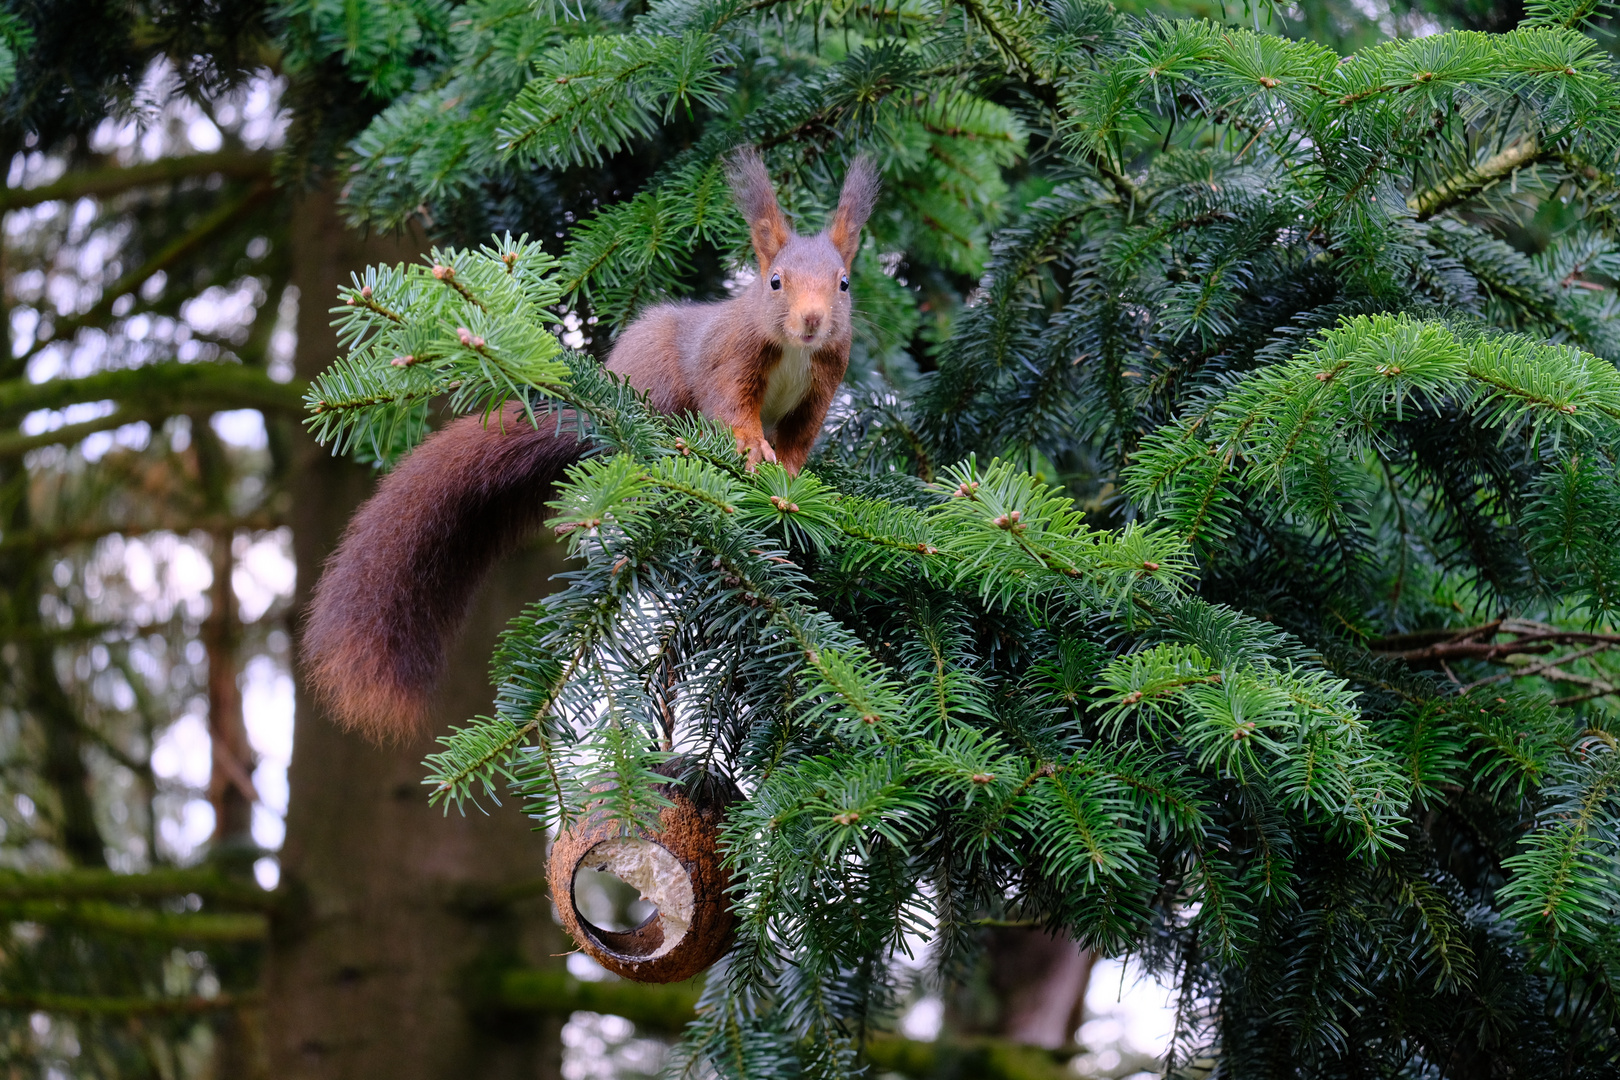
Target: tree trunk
(63, 767)
(396, 908)
(1031, 989)
(230, 777)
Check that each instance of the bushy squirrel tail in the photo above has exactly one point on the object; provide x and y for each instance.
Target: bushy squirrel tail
(398, 585)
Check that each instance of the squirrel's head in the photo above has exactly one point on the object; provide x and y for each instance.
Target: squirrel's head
(803, 285)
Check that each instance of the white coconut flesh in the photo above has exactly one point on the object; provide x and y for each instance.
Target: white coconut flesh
(656, 874)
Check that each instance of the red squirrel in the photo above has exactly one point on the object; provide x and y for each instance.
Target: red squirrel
(767, 360)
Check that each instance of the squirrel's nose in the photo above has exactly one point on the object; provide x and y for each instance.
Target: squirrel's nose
(812, 322)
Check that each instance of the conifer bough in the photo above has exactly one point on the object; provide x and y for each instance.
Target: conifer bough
(1258, 303)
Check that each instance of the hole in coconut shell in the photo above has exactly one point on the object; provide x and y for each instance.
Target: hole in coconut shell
(608, 903)
(653, 924)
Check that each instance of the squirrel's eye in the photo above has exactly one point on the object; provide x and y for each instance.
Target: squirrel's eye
(843, 283)
(776, 281)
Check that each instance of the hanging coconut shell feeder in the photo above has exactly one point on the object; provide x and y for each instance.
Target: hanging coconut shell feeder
(678, 869)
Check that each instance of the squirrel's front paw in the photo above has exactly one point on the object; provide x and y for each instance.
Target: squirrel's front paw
(756, 447)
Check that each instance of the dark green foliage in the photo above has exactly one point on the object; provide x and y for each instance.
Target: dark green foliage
(1321, 722)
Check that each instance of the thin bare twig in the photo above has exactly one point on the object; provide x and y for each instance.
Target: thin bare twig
(1540, 666)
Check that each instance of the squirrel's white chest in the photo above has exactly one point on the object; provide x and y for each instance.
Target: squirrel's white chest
(787, 385)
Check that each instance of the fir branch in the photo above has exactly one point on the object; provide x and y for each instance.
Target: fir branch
(97, 183)
(1462, 186)
(91, 1006)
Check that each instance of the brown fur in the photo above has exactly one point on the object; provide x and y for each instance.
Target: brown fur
(399, 582)
(719, 358)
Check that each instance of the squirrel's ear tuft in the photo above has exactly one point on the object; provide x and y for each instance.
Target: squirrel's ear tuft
(854, 207)
(751, 183)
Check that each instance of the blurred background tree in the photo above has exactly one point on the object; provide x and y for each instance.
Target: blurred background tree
(142, 499)
(152, 470)
(187, 186)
